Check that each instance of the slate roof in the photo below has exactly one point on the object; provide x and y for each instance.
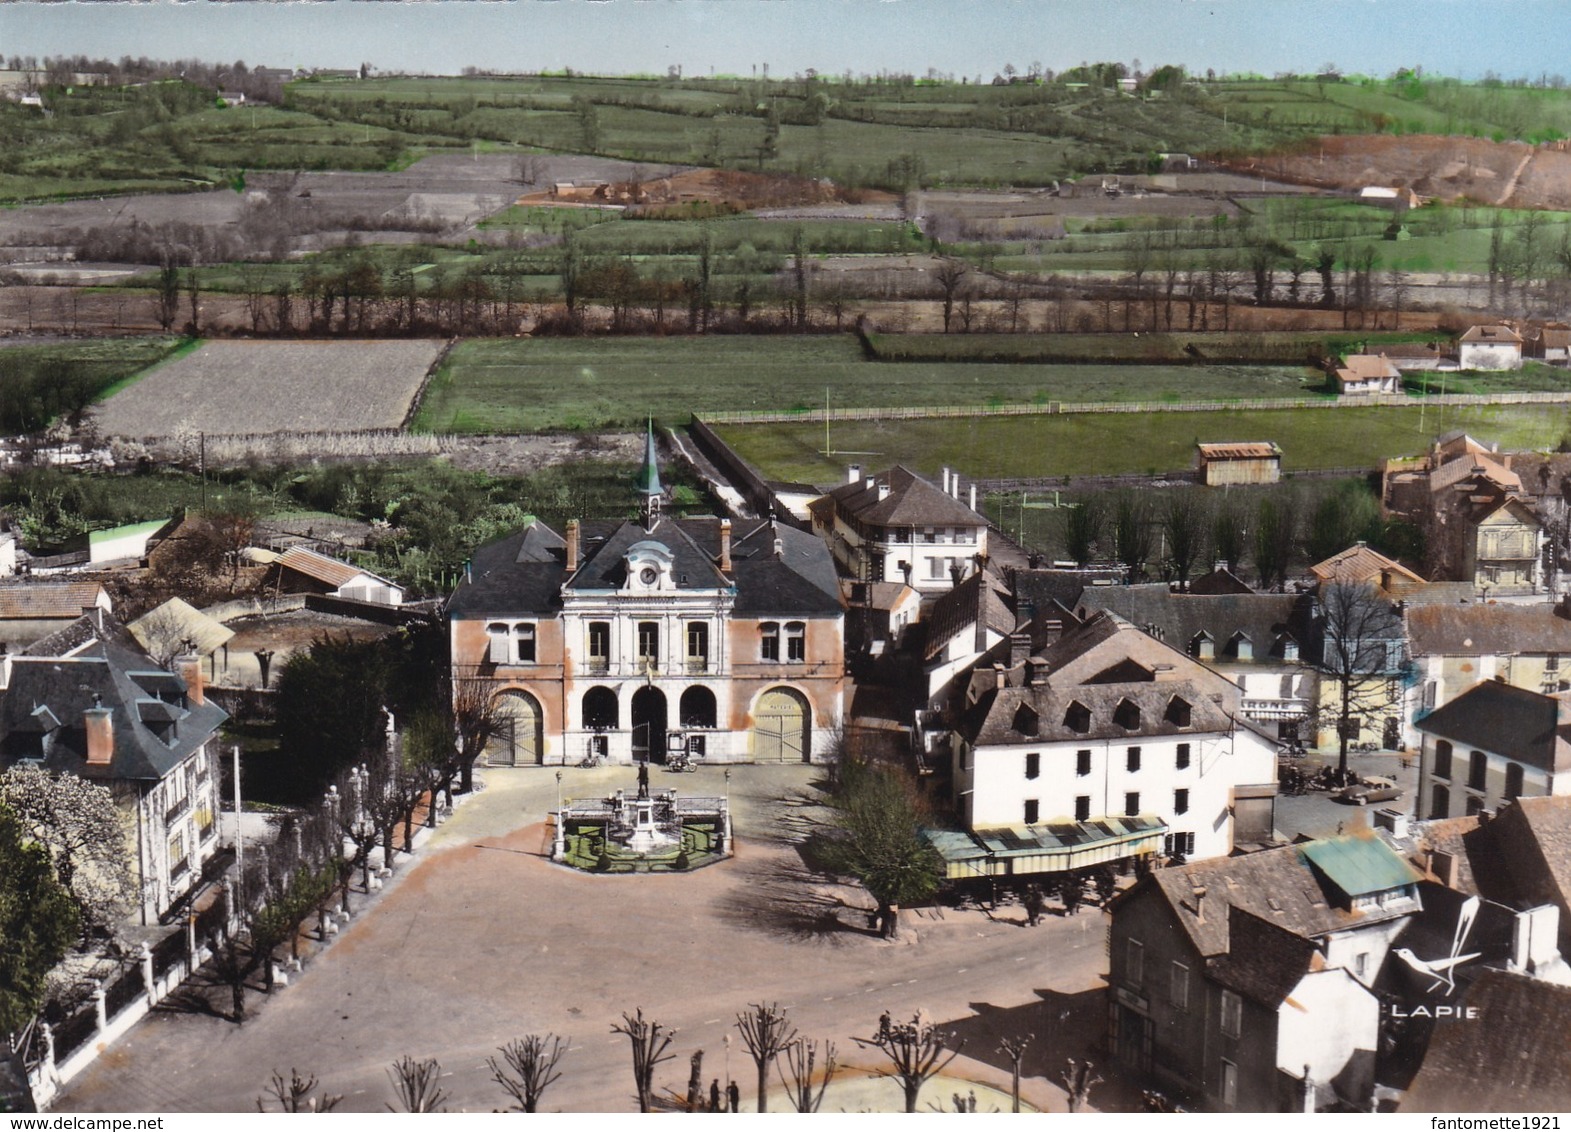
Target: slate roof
(47, 601)
(1504, 720)
(1546, 822)
(1219, 581)
(1514, 1057)
(1043, 587)
(525, 572)
(111, 672)
(1277, 885)
(1486, 630)
(1267, 620)
(995, 719)
(1263, 962)
(910, 502)
(981, 598)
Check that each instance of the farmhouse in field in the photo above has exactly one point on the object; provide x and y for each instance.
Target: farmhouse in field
(88, 701)
(1491, 347)
(1363, 374)
(1231, 462)
(636, 640)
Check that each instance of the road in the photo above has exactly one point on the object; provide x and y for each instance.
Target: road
(482, 939)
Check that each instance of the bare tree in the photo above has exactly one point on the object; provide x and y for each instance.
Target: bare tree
(765, 1032)
(1132, 533)
(1015, 1050)
(530, 1067)
(801, 1057)
(950, 273)
(416, 1085)
(650, 1042)
(917, 1051)
(1078, 1082)
(1361, 651)
(294, 1095)
(1184, 529)
(477, 718)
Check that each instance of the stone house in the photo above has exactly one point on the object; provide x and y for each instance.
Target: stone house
(1492, 745)
(1245, 983)
(31, 610)
(1365, 374)
(88, 701)
(630, 640)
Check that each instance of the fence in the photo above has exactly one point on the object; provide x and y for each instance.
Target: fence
(1052, 408)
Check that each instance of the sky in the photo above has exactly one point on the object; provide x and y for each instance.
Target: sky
(1463, 38)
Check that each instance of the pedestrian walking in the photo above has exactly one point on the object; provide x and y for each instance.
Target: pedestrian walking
(714, 1095)
(971, 1101)
(734, 1095)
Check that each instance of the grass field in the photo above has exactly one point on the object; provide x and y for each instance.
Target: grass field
(37, 383)
(1119, 443)
(503, 385)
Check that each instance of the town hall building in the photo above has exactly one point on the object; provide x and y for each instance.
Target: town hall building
(633, 640)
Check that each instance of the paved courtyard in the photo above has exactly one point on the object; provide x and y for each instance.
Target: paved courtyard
(481, 939)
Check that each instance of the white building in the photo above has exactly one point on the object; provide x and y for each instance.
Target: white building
(896, 526)
(1490, 347)
(1107, 722)
(1493, 744)
(87, 701)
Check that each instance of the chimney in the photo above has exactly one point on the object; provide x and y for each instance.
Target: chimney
(572, 545)
(1019, 648)
(1200, 903)
(98, 722)
(973, 497)
(883, 492)
(946, 481)
(853, 473)
(870, 483)
(954, 486)
(1534, 938)
(1000, 676)
(725, 546)
(189, 669)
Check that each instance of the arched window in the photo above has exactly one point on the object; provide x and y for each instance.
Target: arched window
(1440, 802)
(1477, 769)
(601, 712)
(1443, 758)
(697, 707)
(769, 641)
(1513, 781)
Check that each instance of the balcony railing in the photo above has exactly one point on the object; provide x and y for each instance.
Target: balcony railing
(176, 810)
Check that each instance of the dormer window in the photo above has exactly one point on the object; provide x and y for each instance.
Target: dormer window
(1026, 721)
(1243, 648)
(1203, 646)
(648, 566)
(1078, 718)
(1179, 712)
(1127, 715)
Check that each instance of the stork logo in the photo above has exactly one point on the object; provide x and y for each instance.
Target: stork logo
(1443, 970)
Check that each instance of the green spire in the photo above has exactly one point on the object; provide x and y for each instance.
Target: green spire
(647, 482)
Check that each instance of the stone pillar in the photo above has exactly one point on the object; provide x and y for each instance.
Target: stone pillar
(146, 957)
(725, 831)
(48, 1066)
(559, 845)
(100, 1007)
(192, 955)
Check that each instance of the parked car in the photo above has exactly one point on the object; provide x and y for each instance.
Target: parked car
(1370, 790)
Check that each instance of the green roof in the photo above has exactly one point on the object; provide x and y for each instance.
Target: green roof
(1359, 865)
(1047, 847)
(647, 482)
(152, 526)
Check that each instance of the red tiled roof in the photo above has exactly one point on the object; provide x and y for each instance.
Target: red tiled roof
(22, 601)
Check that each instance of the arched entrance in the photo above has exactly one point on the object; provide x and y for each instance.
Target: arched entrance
(600, 710)
(518, 740)
(649, 725)
(780, 727)
(697, 708)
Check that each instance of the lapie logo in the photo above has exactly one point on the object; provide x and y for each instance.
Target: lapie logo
(1443, 971)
